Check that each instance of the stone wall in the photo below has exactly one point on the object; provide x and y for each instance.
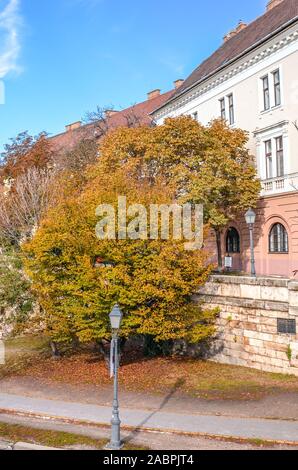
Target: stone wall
(247, 326)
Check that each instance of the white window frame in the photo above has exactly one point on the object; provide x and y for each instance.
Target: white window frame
(222, 109)
(262, 155)
(269, 166)
(265, 77)
(274, 157)
(273, 84)
(282, 149)
(270, 75)
(226, 100)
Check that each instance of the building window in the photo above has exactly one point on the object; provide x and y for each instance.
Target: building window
(231, 109)
(274, 158)
(227, 107)
(276, 85)
(280, 170)
(271, 90)
(266, 93)
(268, 158)
(286, 326)
(222, 108)
(233, 241)
(278, 239)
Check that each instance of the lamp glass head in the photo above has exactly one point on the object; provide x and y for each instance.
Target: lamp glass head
(116, 316)
(250, 217)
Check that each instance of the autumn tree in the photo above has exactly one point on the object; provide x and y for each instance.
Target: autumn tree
(25, 177)
(77, 159)
(209, 165)
(97, 124)
(24, 152)
(153, 280)
(22, 208)
(223, 178)
(16, 300)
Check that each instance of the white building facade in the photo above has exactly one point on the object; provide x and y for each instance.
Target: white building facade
(252, 82)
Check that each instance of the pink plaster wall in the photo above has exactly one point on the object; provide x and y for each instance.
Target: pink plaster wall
(270, 210)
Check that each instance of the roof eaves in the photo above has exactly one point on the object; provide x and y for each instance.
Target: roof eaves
(226, 64)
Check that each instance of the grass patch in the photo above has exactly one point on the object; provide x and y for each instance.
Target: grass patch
(21, 352)
(30, 356)
(185, 376)
(15, 433)
(260, 442)
(62, 440)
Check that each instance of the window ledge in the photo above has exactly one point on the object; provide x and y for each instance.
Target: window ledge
(273, 108)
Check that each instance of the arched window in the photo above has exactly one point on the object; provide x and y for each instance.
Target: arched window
(278, 239)
(232, 241)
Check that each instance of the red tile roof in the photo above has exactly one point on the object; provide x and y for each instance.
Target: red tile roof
(140, 112)
(250, 37)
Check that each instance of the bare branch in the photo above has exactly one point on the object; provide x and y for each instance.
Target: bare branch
(23, 207)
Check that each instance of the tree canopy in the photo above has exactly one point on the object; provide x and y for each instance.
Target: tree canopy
(153, 280)
(206, 165)
(25, 152)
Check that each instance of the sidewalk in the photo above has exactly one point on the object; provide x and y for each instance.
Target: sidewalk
(276, 406)
(245, 428)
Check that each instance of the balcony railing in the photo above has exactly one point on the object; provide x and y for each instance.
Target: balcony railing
(281, 184)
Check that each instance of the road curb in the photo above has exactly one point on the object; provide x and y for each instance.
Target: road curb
(219, 437)
(29, 446)
(7, 445)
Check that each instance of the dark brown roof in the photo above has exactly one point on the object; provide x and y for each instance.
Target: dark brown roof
(255, 33)
(139, 112)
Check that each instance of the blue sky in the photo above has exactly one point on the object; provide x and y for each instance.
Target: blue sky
(61, 58)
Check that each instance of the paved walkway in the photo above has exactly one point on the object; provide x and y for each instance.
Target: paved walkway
(249, 428)
(276, 406)
(151, 440)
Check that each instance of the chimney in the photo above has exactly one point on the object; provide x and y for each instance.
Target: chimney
(235, 31)
(273, 3)
(73, 126)
(110, 112)
(153, 94)
(178, 83)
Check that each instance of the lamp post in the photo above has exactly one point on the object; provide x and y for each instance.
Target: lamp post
(250, 218)
(116, 316)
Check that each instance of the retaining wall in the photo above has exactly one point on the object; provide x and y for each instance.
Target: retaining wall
(247, 332)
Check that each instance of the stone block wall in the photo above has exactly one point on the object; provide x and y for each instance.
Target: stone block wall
(247, 326)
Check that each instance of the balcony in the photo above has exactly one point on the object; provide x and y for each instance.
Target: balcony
(279, 185)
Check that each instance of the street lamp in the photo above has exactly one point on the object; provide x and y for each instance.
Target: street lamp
(116, 316)
(250, 218)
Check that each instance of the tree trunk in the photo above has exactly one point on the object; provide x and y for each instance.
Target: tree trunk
(75, 343)
(102, 349)
(55, 350)
(122, 343)
(219, 252)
